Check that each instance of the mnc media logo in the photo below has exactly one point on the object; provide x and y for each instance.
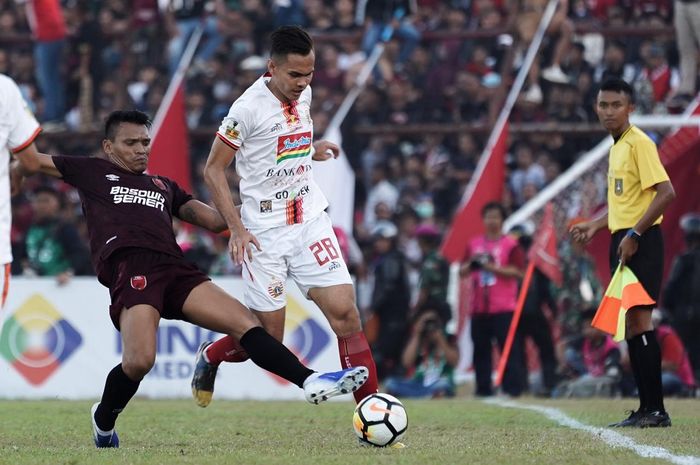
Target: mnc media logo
(303, 335)
(36, 340)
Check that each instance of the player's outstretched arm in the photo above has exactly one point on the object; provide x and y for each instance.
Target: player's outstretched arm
(31, 161)
(200, 214)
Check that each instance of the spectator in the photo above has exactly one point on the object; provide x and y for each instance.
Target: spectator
(655, 79)
(429, 358)
(527, 172)
(390, 298)
(390, 18)
(676, 374)
(382, 191)
(526, 21)
(495, 264)
(581, 289)
(592, 360)
(682, 293)
(565, 105)
(687, 24)
(434, 275)
(614, 65)
(183, 19)
(49, 29)
(53, 246)
(467, 100)
(533, 321)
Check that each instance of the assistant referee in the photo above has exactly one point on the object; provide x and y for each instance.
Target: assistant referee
(639, 191)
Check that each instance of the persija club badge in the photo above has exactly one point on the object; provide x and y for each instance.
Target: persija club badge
(139, 282)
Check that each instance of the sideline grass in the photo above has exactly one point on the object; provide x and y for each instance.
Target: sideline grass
(459, 431)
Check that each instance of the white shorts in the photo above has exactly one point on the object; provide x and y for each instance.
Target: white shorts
(308, 253)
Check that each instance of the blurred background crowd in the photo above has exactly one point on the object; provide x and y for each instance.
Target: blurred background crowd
(413, 137)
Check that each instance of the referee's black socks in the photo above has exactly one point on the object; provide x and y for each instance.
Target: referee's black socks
(645, 351)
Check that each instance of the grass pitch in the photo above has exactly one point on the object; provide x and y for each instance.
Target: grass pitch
(458, 431)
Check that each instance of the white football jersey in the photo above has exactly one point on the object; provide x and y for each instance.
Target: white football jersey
(275, 145)
(18, 128)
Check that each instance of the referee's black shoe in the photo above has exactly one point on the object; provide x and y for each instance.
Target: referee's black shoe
(630, 421)
(655, 419)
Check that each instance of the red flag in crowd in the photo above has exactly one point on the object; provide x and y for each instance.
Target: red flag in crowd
(486, 186)
(543, 252)
(170, 154)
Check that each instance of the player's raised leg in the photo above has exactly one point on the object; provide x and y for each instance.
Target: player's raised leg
(338, 305)
(138, 327)
(212, 308)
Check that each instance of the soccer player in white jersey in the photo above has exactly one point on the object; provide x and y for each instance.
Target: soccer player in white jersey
(282, 229)
(18, 129)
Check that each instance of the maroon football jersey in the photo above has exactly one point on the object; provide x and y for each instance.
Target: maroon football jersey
(123, 209)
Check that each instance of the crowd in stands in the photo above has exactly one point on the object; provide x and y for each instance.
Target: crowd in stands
(448, 61)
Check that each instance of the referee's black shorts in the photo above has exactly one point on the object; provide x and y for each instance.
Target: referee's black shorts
(648, 263)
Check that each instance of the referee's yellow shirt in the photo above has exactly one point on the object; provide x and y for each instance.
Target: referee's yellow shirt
(634, 169)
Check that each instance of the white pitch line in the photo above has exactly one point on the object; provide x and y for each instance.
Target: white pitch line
(610, 437)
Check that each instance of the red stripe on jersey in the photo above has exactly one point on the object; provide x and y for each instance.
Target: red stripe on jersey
(289, 211)
(299, 210)
(27, 143)
(227, 142)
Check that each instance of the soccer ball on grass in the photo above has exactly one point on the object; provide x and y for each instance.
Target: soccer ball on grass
(380, 420)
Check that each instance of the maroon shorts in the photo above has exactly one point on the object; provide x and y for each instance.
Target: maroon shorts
(142, 276)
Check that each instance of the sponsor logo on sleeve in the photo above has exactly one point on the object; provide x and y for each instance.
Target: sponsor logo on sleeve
(231, 131)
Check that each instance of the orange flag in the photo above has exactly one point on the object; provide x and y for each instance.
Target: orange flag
(624, 292)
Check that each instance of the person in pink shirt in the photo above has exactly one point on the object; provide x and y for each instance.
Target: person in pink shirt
(495, 266)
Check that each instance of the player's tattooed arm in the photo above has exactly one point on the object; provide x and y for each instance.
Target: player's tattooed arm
(201, 214)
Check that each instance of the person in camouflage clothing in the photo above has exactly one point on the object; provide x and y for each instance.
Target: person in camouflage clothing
(434, 275)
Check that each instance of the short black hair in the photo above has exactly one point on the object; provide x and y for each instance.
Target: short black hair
(618, 85)
(290, 39)
(494, 206)
(50, 190)
(124, 116)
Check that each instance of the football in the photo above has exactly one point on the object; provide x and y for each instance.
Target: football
(380, 420)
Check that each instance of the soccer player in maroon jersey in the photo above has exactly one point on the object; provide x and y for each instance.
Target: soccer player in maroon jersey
(134, 252)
